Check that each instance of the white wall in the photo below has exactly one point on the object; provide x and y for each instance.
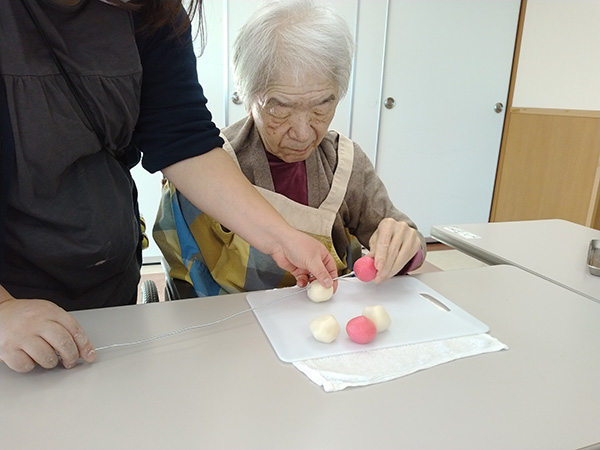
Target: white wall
(559, 63)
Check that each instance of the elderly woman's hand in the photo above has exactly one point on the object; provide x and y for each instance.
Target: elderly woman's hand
(392, 246)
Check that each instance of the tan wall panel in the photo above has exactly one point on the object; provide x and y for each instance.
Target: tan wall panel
(549, 167)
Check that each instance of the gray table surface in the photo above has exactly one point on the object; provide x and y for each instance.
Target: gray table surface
(224, 388)
(552, 249)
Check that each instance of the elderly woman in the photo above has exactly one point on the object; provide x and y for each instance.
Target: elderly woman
(292, 64)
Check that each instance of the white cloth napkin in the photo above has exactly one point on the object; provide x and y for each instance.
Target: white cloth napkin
(335, 373)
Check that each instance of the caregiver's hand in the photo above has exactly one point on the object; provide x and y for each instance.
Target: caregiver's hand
(34, 331)
(305, 258)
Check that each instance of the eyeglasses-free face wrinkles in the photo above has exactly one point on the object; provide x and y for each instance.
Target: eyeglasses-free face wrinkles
(294, 115)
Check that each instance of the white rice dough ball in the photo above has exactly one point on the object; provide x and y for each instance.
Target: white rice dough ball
(318, 293)
(379, 316)
(325, 328)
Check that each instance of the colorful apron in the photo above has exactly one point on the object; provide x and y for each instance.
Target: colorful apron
(216, 261)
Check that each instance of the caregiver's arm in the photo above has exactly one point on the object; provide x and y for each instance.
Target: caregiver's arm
(215, 185)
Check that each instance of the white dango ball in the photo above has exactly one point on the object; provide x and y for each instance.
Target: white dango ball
(325, 328)
(318, 293)
(379, 316)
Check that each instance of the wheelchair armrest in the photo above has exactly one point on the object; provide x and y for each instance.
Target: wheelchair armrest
(182, 289)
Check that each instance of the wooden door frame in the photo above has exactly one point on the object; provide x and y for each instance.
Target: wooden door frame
(507, 115)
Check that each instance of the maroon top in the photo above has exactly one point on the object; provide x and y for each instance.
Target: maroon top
(289, 179)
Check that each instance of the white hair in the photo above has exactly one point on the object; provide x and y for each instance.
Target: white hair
(295, 36)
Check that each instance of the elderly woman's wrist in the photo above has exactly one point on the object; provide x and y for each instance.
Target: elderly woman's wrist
(415, 262)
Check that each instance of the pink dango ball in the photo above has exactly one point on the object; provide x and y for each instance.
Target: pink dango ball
(361, 330)
(364, 269)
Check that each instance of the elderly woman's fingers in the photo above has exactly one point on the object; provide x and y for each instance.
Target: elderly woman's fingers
(393, 245)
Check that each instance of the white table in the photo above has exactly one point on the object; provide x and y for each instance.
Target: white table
(552, 249)
(224, 388)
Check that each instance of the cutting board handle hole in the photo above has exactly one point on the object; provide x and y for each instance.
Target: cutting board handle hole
(435, 301)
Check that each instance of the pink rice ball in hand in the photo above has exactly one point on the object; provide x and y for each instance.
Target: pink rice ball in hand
(361, 330)
(364, 269)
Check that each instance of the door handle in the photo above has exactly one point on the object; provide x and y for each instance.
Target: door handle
(235, 98)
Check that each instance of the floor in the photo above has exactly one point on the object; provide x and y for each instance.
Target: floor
(439, 258)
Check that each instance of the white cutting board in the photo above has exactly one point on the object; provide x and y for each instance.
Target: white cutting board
(415, 319)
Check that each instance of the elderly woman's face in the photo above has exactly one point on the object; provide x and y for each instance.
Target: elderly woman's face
(293, 117)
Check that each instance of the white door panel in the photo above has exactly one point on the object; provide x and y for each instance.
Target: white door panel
(368, 74)
(447, 63)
